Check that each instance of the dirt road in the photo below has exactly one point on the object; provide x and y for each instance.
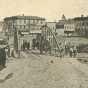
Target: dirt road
(41, 71)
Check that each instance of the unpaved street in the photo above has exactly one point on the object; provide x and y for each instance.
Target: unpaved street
(42, 71)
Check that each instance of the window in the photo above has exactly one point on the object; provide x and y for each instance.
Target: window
(83, 24)
(20, 21)
(24, 26)
(34, 21)
(65, 27)
(31, 21)
(20, 26)
(24, 21)
(41, 22)
(37, 21)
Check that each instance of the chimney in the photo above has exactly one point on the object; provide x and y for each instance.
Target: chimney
(22, 14)
(82, 15)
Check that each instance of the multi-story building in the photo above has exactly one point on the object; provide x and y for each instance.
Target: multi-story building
(52, 26)
(77, 26)
(69, 27)
(20, 28)
(60, 26)
(81, 26)
(49, 34)
(31, 24)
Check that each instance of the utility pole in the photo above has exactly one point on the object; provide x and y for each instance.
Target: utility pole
(19, 45)
(15, 40)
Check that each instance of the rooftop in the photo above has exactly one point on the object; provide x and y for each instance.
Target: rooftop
(81, 18)
(69, 21)
(25, 17)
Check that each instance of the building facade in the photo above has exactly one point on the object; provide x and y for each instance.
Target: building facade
(22, 28)
(60, 25)
(52, 26)
(81, 26)
(69, 27)
(49, 35)
(77, 26)
(31, 24)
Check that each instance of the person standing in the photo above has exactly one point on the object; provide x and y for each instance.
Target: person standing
(33, 43)
(71, 52)
(2, 57)
(66, 49)
(37, 45)
(8, 53)
(42, 45)
(74, 51)
(28, 45)
(61, 52)
(12, 53)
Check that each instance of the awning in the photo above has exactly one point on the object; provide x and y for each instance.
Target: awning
(24, 33)
(36, 31)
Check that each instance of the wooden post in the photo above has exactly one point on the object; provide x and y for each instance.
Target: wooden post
(15, 40)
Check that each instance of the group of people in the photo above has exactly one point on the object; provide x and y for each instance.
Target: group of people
(25, 45)
(43, 45)
(35, 44)
(71, 50)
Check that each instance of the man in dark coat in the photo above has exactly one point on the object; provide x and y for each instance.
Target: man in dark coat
(33, 43)
(2, 57)
(28, 45)
(42, 45)
(74, 51)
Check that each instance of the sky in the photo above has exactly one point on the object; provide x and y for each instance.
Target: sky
(52, 10)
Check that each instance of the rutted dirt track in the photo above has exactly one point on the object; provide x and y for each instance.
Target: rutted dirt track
(41, 71)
